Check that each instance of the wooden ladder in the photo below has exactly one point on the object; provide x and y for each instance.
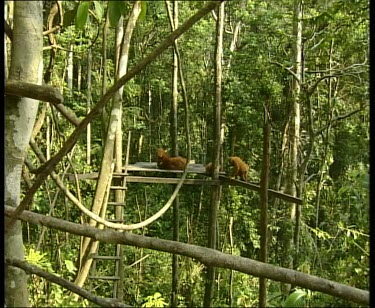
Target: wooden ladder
(111, 252)
(115, 207)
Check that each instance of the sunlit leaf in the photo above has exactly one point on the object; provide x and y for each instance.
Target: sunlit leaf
(70, 266)
(142, 15)
(99, 10)
(82, 14)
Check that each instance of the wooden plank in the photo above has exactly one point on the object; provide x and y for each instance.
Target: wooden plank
(251, 186)
(116, 203)
(84, 176)
(104, 277)
(115, 220)
(152, 167)
(106, 257)
(159, 180)
(143, 167)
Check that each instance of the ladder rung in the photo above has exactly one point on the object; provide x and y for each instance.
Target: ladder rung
(118, 188)
(116, 203)
(116, 220)
(105, 277)
(107, 257)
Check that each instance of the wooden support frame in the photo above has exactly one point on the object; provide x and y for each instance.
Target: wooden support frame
(145, 167)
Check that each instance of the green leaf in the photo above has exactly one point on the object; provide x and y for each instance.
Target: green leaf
(99, 10)
(296, 299)
(70, 266)
(123, 7)
(142, 15)
(82, 14)
(115, 10)
(69, 17)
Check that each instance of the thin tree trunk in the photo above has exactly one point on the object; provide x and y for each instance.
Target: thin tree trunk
(69, 70)
(291, 176)
(173, 111)
(88, 246)
(231, 277)
(174, 145)
(216, 190)
(104, 115)
(123, 59)
(326, 143)
(177, 74)
(20, 115)
(236, 32)
(48, 135)
(264, 205)
(296, 111)
(89, 98)
(79, 68)
(114, 133)
(182, 83)
(294, 133)
(5, 42)
(118, 285)
(39, 122)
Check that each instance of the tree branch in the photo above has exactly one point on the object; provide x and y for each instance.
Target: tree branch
(204, 255)
(43, 93)
(287, 69)
(68, 114)
(338, 118)
(49, 31)
(32, 269)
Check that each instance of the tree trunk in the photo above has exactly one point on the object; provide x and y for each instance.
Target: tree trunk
(79, 67)
(104, 116)
(117, 103)
(177, 74)
(296, 209)
(173, 111)
(88, 109)
(291, 177)
(114, 133)
(236, 32)
(20, 115)
(6, 46)
(216, 190)
(122, 62)
(264, 205)
(174, 144)
(69, 69)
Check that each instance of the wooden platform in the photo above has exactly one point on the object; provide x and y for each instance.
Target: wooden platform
(131, 174)
(152, 167)
(143, 167)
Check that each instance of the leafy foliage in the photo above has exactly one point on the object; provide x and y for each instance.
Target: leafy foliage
(296, 299)
(155, 300)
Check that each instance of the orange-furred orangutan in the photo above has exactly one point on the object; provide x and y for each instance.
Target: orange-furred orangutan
(164, 161)
(209, 169)
(239, 168)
